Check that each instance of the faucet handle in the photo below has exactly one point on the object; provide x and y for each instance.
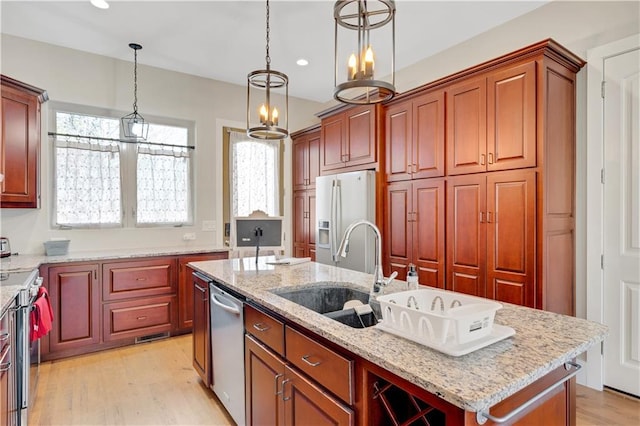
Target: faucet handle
(387, 281)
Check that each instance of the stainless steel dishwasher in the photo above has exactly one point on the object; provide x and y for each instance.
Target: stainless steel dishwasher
(227, 350)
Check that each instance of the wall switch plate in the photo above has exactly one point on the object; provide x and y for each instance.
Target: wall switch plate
(189, 236)
(208, 225)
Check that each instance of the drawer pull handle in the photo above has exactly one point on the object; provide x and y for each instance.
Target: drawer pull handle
(141, 279)
(482, 159)
(491, 158)
(276, 380)
(142, 318)
(313, 364)
(4, 336)
(5, 367)
(261, 327)
(203, 290)
(483, 416)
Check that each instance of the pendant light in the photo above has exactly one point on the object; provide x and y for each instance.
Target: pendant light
(358, 24)
(267, 101)
(133, 124)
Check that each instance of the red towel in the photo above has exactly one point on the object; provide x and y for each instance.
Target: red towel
(41, 315)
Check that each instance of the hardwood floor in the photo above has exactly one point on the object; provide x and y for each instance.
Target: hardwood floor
(154, 384)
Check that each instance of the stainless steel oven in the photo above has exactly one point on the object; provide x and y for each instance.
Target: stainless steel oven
(27, 351)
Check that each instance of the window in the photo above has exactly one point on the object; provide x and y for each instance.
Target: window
(253, 174)
(98, 180)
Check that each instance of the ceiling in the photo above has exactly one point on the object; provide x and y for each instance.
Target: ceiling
(225, 40)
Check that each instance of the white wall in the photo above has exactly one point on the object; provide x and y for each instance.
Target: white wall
(78, 77)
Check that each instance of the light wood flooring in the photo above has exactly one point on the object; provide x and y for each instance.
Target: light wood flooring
(154, 384)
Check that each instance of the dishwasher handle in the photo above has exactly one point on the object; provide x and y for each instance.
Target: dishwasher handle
(231, 309)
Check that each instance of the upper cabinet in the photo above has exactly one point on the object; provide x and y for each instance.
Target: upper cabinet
(349, 139)
(306, 159)
(20, 144)
(491, 121)
(414, 135)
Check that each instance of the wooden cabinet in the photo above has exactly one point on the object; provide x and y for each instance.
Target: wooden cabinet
(74, 292)
(304, 224)
(306, 159)
(515, 113)
(138, 317)
(288, 390)
(491, 121)
(415, 232)
(185, 287)
(414, 138)
(201, 328)
(491, 235)
(20, 144)
(349, 139)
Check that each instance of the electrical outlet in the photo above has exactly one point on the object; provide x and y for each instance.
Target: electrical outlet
(189, 236)
(208, 225)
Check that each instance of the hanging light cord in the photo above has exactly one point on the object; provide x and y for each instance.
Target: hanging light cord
(135, 80)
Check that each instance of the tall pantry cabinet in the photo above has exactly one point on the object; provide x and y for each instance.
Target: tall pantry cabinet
(509, 180)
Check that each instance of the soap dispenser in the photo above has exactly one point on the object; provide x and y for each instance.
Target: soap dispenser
(412, 277)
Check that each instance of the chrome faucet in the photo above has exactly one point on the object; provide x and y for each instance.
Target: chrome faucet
(379, 280)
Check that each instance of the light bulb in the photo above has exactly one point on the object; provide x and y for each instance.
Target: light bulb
(274, 116)
(368, 62)
(352, 67)
(264, 115)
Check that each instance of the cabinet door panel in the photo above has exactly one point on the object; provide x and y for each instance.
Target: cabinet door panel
(264, 373)
(466, 234)
(75, 299)
(20, 147)
(428, 135)
(511, 118)
(300, 172)
(360, 137)
(511, 236)
(332, 143)
(307, 404)
(398, 141)
(429, 231)
(467, 127)
(398, 236)
(299, 221)
(314, 159)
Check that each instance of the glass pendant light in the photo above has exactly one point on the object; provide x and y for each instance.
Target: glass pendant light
(267, 100)
(133, 124)
(358, 24)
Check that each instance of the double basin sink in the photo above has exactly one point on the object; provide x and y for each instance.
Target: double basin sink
(328, 299)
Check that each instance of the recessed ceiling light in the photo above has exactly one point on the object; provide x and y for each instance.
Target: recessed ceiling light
(100, 4)
(302, 62)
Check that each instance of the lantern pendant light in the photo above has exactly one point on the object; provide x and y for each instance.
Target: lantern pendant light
(133, 124)
(358, 24)
(267, 100)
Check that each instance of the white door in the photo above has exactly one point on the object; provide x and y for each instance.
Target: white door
(621, 222)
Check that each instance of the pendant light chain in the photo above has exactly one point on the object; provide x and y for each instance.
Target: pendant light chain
(268, 58)
(135, 80)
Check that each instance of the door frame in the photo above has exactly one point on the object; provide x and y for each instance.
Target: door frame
(594, 238)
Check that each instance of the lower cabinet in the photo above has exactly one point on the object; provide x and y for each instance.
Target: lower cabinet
(138, 317)
(74, 292)
(201, 328)
(278, 394)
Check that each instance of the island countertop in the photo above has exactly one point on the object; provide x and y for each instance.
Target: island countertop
(473, 382)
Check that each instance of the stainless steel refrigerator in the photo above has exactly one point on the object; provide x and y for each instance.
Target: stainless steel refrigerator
(341, 199)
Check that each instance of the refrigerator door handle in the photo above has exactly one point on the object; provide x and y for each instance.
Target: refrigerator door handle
(332, 226)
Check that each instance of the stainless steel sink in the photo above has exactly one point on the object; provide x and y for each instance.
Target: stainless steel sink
(329, 299)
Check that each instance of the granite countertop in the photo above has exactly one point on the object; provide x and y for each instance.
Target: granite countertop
(11, 283)
(474, 382)
(25, 263)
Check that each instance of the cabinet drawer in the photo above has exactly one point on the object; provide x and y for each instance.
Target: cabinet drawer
(266, 328)
(328, 368)
(137, 317)
(123, 280)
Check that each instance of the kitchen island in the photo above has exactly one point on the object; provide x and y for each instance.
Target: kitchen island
(476, 382)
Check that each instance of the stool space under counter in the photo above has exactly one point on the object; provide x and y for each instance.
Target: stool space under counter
(527, 375)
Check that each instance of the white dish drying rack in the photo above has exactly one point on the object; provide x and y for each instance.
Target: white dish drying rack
(450, 322)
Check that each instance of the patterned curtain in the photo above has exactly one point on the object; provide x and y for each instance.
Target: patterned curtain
(87, 182)
(254, 175)
(163, 184)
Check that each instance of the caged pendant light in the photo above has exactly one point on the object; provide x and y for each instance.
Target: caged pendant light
(270, 111)
(358, 25)
(133, 124)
